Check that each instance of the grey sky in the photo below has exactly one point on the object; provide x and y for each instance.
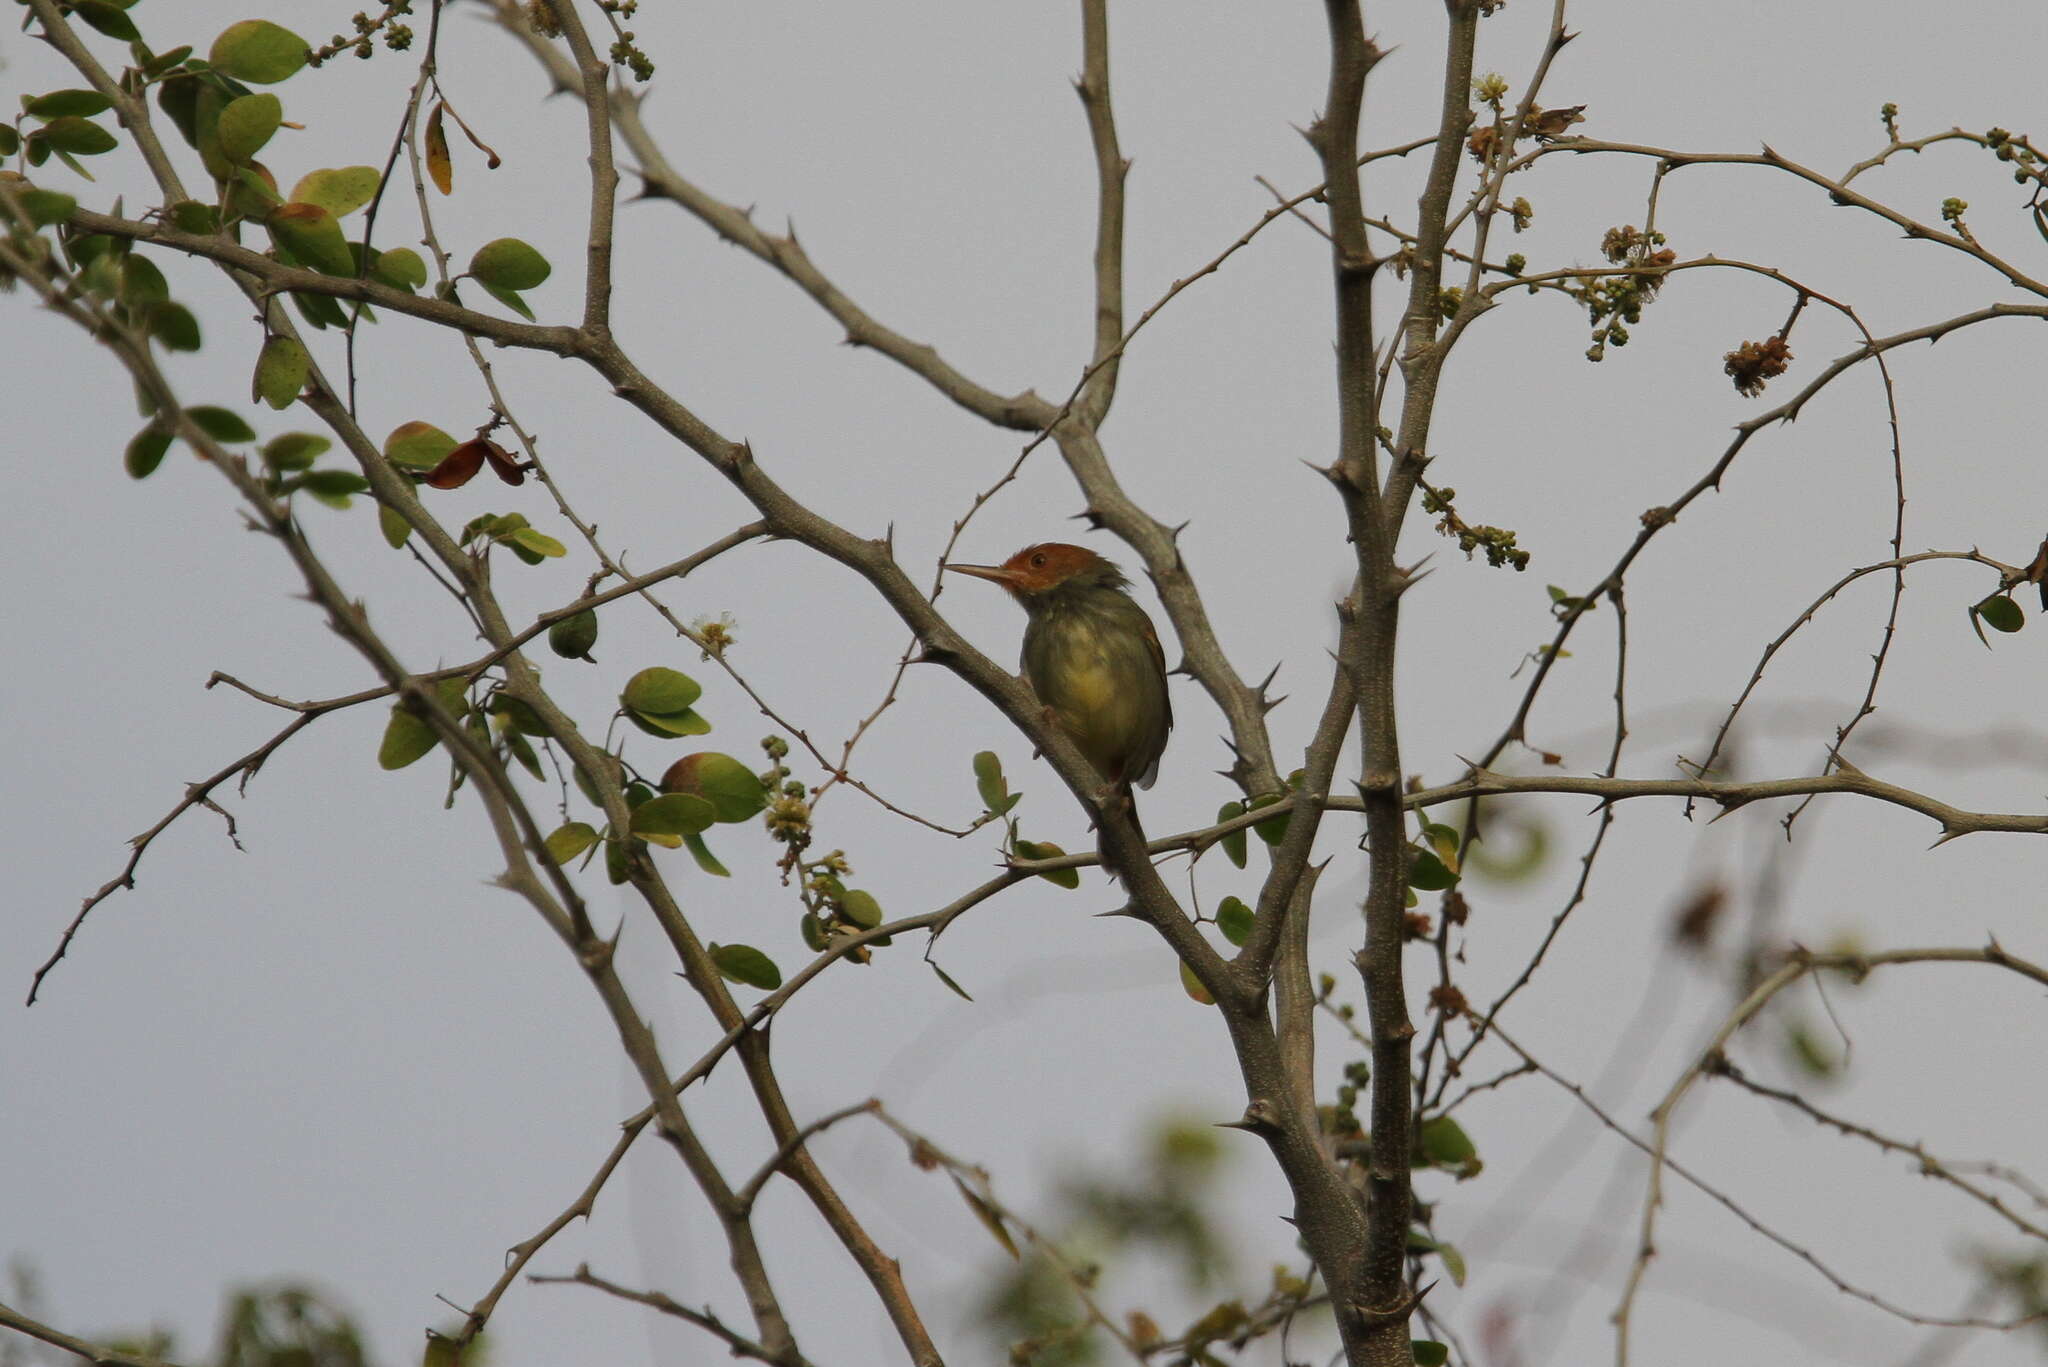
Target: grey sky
(337, 1056)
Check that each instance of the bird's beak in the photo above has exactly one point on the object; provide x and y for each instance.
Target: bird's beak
(995, 574)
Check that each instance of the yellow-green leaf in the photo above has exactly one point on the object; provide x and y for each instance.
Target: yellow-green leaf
(566, 842)
(676, 814)
(734, 790)
(248, 123)
(339, 190)
(417, 445)
(407, 737)
(657, 691)
(509, 264)
(860, 908)
(313, 236)
(400, 268)
(295, 450)
(258, 51)
(281, 370)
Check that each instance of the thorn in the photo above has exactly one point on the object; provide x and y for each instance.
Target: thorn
(1260, 1117)
(1174, 532)
(1268, 704)
(1400, 1312)
(1127, 909)
(1267, 682)
(1091, 517)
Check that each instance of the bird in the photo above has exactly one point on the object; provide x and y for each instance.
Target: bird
(1092, 657)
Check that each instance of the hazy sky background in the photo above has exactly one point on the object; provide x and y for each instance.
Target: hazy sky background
(337, 1056)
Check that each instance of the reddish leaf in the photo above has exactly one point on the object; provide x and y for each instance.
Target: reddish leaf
(459, 466)
(502, 463)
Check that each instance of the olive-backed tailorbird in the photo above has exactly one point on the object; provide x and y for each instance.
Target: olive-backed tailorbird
(1091, 656)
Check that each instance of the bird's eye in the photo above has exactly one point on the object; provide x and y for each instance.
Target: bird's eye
(1038, 561)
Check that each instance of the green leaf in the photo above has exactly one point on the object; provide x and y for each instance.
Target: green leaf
(1234, 843)
(1453, 1261)
(572, 637)
(340, 190)
(1428, 1352)
(318, 310)
(615, 867)
(521, 749)
(281, 370)
(174, 326)
(108, 19)
(540, 543)
(80, 137)
(509, 264)
(248, 123)
(56, 104)
(295, 450)
(1273, 830)
(146, 451)
(1193, 985)
(947, 979)
(1045, 849)
(989, 781)
(258, 51)
(1813, 1057)
(407, 737)
(417, 445)
(10, 140)
(656, 691)
(252, 192)
(813, 933)
(746, 964)
(313, 236)
(1234, 919)
(2001, 613)
(1444, 1144)
(860, 908)
(400, 267)
(664, 725)
(190, 216)
(706, 860)
(733, 790)
(675, 814)
(566, 842)
(45, 207)
(394, 526)
(1427, 872)
(511, 300)
(164, 61)
(222, 424)
(142, 282)
(334, 487)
